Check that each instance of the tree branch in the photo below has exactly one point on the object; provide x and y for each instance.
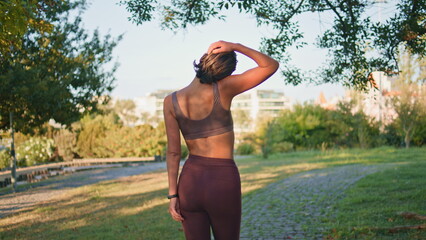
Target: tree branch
(188, 13)
(292, 13)
(333, 8)
(351, 13)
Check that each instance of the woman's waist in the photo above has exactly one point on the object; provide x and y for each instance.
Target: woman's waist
(210, 161)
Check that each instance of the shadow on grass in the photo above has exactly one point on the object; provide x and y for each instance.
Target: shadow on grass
(137, 216)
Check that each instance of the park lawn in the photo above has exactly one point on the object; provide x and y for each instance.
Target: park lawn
(372, 208)
(135, 207)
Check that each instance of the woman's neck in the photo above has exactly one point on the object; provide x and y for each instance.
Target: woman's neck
(195, 82)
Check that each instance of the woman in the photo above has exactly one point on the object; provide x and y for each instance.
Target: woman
(209, 191)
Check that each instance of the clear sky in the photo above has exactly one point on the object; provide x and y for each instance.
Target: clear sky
(152, 59)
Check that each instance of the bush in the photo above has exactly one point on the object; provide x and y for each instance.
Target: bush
(31, 152)
(282, 147)
(34, 151)
(103, 136)
(4, 158)
(184, 151)
(245, 149)
(65, 140)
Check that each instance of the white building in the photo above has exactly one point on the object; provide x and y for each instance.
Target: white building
(254, 105)
(375, 102)
(152, 103)
(149, 108)
(330, 104)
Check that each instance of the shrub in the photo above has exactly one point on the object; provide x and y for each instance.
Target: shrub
(35, 150)
(282, 147)
(184, 151)
(245, 149)
(103, 136)
(4, 158)
(65, 140)
(31, 152)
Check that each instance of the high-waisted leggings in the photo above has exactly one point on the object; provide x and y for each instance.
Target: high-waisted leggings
(210, 197)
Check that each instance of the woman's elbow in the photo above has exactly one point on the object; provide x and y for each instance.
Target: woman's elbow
(275, 65)
(173, 154)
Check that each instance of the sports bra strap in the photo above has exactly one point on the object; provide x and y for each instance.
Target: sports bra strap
(176, 106)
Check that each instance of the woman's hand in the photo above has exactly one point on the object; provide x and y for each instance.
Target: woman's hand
(174, 210)
(221, 46)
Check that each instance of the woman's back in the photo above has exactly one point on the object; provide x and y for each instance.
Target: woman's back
(205, 120)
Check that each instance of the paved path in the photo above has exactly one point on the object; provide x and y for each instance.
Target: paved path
(48, 189)
(294, 207)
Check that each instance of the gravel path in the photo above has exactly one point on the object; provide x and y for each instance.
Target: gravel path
(293, 208)
(48, 189)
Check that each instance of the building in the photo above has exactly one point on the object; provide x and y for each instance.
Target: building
(374, 102)
(151, 105)
(254, 105)
(330, 104)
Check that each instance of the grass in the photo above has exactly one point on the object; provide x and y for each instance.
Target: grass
(372, 207)
(135, 207)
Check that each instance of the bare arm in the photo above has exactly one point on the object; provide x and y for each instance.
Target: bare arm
(236, 84)
(172, 155)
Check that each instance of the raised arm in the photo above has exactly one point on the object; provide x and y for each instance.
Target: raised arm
(172, 155)
(236, 84)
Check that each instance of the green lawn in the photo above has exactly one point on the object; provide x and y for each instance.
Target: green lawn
(135, 207)
(372, 208)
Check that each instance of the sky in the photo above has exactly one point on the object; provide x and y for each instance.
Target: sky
(151, 59)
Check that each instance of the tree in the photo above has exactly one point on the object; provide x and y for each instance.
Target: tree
(17, 16)
(241, 119)
(350, 40)
(125, 108)
(106, 136)
(93, 128)
(56, 74)
(151, 119)
(410, 104)
(410, 109)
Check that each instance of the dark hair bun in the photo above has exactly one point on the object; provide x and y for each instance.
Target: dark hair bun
(215, 67)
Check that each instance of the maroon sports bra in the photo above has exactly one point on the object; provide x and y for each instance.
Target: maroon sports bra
(217, 122)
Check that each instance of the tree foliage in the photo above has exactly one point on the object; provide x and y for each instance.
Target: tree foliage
(313, 127)
(357, 45)
(105, 136)
(17, 16)
(54, 74)
(125, 108)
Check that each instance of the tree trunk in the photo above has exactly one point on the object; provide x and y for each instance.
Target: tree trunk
(12, 152)
(408, 134)
(407, 141)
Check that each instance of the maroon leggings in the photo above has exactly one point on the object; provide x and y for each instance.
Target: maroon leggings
(210, 196)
